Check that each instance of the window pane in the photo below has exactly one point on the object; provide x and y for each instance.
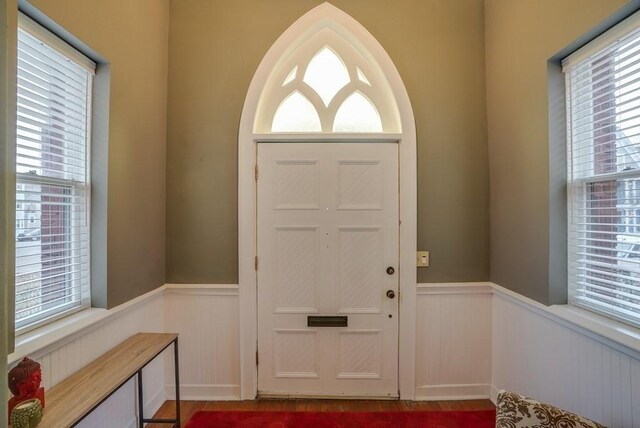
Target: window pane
(605, 119)
(362, 77)
(52, 112)
(607, 237)
(296, 114)
(52, 254)
(291, 76)
(326, 74)
(357, 114)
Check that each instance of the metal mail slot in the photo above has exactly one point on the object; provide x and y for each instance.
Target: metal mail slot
(327, 321)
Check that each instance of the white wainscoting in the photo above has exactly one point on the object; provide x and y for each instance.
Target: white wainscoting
(453, 341)
(539, 354)
(206, 317)
(471, 340)
(63, 358)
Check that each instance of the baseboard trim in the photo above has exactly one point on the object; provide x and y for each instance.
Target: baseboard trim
(494, 394)
(216, 392)
(150, 408)
(453, 392)
(154, 404)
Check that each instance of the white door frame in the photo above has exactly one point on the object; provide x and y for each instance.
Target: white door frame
(326, 15)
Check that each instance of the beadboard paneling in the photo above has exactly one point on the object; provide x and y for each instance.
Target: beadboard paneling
(538, 356)
(119, 410)
(453, 341)
(206, 318)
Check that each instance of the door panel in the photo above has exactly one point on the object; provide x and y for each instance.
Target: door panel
(327, 231)
(296, 272)
(358, 260)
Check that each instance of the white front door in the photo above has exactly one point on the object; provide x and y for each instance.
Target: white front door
(328, 246)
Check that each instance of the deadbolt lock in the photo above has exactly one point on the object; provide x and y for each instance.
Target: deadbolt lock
(390, 270)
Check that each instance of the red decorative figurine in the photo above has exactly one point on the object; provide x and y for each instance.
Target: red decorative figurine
(24, 382)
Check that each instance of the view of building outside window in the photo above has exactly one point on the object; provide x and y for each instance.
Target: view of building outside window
(28, 236)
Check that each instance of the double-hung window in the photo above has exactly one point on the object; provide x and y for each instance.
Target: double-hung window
(603, 134)
(52, 177)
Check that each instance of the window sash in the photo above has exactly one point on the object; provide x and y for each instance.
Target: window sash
(47, 37)
(53, 188)
(603, 173)
(604, 250)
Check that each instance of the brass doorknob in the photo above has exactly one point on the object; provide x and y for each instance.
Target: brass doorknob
(391, 294)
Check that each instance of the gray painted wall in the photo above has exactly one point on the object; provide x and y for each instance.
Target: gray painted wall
(525, 118)
(215, 47)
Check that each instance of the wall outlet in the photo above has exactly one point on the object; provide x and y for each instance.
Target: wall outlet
(423, 259)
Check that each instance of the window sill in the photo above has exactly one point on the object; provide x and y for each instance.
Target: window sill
(40, 339)
(614, 334)
(44, 339)
(612, 330)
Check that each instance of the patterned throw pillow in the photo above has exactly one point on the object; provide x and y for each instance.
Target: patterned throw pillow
(516, 411)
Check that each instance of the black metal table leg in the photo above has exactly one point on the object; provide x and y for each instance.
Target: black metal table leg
(140, 401)
(177, 379)
(176, 421)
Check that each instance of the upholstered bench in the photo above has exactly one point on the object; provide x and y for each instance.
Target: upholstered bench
(516, 411)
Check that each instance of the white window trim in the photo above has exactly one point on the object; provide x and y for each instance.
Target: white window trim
(322, 16)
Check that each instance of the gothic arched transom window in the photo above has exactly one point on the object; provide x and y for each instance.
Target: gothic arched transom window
(326, 85)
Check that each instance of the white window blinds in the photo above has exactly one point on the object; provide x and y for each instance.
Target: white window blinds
(52, 183)
(603, 126)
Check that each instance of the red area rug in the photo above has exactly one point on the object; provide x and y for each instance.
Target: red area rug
(409, 419)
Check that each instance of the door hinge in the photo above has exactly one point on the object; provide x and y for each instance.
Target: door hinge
(256, 172)
(257, 359)
(256, 263)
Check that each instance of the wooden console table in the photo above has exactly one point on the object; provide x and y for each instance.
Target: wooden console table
(71, 400)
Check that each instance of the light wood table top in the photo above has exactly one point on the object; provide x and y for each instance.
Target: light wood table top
(73, 398)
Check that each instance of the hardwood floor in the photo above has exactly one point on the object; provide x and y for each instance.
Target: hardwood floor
(188, 408)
